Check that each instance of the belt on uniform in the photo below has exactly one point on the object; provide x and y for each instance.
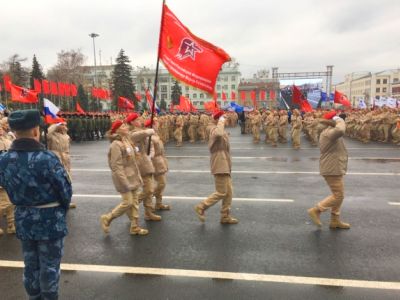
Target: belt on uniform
(48, 205)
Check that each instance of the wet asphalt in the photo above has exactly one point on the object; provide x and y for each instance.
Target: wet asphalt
(272, 237)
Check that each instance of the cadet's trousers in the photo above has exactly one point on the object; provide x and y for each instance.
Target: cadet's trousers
(7, 207)
(161, 181)
(178, 136)
(334, 201)
(128, 205)
(42, 268)
(282, 134)
(223, 187)
(147, 192)
(296, 138)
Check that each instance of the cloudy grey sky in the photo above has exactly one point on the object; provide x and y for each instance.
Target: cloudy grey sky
(295, 35)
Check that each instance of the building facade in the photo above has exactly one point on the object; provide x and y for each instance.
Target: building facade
(369, 86)
(227, 82)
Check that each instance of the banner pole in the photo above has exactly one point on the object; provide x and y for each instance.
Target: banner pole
(156, 77)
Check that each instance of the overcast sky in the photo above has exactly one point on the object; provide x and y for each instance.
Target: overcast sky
(294, 35)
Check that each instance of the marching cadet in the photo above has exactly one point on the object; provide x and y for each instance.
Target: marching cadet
(221, 167)
(275, 128)
(125, 175)
(203, 122)
(6, 207)
(296, 124)
(39, 187)
(255, 126)
(192, 130)
(146, 168)
(333, 166)
(160, 164)
(178, 130)
(59, 142)
(268, 122)
(283, 123)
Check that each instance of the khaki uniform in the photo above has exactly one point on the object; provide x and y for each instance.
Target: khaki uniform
(255, 127)
(146, 169)
(221, 167)
(192, 130)
(160, 164)
(203, 121)
(296, 130)
(126, 178)
(178, 133)
(6, 207)
(283, 123)
(59, 143)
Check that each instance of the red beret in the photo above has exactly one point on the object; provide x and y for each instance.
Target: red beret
(218, 114)
(131, 117)
(115, 125)
(147, 123)
(329, 115)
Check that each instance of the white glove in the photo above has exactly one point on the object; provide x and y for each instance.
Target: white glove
(222, 118)
(150, 131)
(335, 118)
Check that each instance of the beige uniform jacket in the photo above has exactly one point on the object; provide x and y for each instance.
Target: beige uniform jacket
(59, 143)
(219, 147)
(159, 160)
(143, 160)
(333, 159)
(122, 160)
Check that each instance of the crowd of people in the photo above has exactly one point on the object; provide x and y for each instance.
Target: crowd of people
(36, 191)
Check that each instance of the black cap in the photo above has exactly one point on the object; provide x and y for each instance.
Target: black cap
(24, 119)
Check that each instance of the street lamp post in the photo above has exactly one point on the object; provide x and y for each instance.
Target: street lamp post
(93, 36)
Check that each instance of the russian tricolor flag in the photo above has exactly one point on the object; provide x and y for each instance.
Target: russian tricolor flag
(50, 112)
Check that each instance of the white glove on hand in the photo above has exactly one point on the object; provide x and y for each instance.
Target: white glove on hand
(150, 131)
(335, 118)
(222, 118)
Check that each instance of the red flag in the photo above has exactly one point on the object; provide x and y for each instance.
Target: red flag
(223, 96)
(74, 90)
(233, 95)
(37, 86)
(95, 92)
(297, 97)
(243, 96)
(272, 94)
(210, 106)
(125, 103)
(186, 56)
(23, 95)
(45, 86)
(184, 104)
(67, 87)
(192, 107)
(7, 82)
(262, 95)
(53, 88)
(341, 98)
(79, 108)
(138, 96)
(1, 88)
(305, 106)
(61, 89)
(253, 98)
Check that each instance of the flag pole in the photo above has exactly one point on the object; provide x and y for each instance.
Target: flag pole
(156, 78)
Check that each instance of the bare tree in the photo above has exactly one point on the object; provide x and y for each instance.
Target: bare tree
(13, 67)
(69, 67)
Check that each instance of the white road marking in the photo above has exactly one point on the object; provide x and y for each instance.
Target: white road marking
(394, 203)
(256, 172)
(381, 285)
(256, 147)
(189, 198)
(290, 159)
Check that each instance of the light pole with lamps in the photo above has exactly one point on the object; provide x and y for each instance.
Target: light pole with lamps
(93, 36)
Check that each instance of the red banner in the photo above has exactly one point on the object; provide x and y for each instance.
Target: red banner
(61, 89)
(79, 108)
(233, 95)
(223, 96)
(45, 86)
(23, 95)
(7, 83)
(37, 86)
(272, 94)
(54, 88)
(341, 98)
(74, 90)
(243, 96)
(125, 103)
(187, 57)
(262, 95)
